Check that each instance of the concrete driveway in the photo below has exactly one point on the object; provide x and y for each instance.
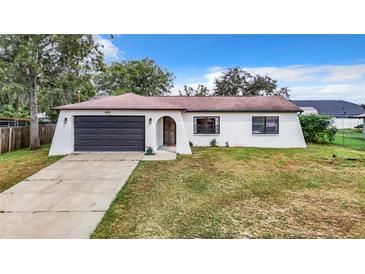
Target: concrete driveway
(66, 199)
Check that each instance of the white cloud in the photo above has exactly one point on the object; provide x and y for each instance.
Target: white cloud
(351, 92)
(345, 82)
(207, 80)
(296, 73)
(110, 51)
(215, 69)
(303, 73)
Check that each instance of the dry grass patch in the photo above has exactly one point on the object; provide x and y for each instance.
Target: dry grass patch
(317, 192)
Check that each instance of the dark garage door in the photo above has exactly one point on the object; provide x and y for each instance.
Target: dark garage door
(109, 133)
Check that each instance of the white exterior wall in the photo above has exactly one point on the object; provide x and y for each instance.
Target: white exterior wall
(159, 132)
(309, 110)
(347, 122)
(236, 129)
(63, 140)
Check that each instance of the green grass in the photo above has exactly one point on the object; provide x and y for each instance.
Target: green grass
(17, 165)
(318, 192)
(352, 138)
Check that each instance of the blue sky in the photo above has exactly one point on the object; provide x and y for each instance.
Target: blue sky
(312, 66)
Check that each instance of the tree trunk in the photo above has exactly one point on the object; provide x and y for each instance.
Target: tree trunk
(66, 94)
(34, 142)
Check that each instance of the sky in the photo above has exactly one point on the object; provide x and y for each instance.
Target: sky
(312, 66)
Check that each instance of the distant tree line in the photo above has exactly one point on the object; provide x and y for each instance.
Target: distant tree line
(40, 72)
(235, 82)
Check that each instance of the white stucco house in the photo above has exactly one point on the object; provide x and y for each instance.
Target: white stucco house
(131, 122)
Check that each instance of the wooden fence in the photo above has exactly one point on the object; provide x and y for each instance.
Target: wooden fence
(13, 138)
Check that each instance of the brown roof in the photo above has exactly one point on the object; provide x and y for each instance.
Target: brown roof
(193, 103)
(14, 118)
(126, 101)
(232, 103)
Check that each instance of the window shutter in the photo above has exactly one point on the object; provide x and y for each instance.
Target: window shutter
(217, 126)
(195, 127)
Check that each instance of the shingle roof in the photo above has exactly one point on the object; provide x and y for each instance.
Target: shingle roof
(232, 103)
(332, 107)
(126, 101)
(205, 103)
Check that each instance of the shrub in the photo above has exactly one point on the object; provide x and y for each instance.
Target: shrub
(227, 144)
(359, 126)
(213, 143)
(149, 151)
(191, 144)
(318, 128)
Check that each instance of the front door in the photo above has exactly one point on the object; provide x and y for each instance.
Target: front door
(169, 132)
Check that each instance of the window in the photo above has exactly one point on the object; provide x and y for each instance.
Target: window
(206, 125)
(265, 124)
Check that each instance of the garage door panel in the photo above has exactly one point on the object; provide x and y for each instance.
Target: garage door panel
(98, 118)
(109, 125)
(113, 136)
(120, 125)
(109, 130)
(109, 143)
(109, 148)
(109, 133)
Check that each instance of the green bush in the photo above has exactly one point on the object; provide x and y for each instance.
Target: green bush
(318, 128)
(213, 142)
(359, 126)
(149, 151)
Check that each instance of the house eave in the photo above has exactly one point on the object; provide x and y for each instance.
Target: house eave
(245, 111)
(184, 110)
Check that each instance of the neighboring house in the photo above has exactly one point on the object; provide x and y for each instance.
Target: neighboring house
(362, 116)
(43, 118)
(13, 122)
(131, 122)
(309, 110)
(343, 112)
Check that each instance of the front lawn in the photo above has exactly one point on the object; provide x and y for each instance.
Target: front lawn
(350, 138)
(17, 165)
(317, 192)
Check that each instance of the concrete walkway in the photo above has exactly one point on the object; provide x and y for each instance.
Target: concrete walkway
(161, 155)
(66, 199)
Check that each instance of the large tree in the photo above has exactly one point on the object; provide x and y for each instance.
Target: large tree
(201, 90)
(78, 59)
(34, 63)
(13, 99)
(232, 82)
(236, 81)
(143, 77)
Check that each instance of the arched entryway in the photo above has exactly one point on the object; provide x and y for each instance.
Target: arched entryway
(169, 131)
(166, 132)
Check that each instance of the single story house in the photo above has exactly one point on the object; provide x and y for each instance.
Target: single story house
(132, 122)
(362, 116)
(343, 112)
(13, 122)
